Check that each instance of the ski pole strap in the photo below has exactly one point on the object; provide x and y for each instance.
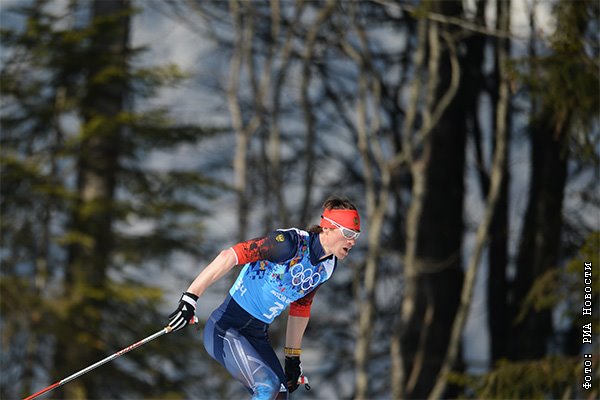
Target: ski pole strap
(292, 352)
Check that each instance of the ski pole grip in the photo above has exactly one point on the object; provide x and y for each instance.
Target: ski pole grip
(192, 321)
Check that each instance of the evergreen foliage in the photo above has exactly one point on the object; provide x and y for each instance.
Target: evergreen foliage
(51, 76)
(555, 376)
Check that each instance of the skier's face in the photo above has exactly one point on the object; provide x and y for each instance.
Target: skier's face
(335, 243)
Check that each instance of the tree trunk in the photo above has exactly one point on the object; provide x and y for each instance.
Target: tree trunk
(540, 236)
(242, 133)
(497, 287)
(497, 181)
(561, 100)
(306, 208)
(377, 201)
(539, 246)
(80, 342)
(433, 267)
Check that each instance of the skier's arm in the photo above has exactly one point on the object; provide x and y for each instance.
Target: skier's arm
(214, 271)
(296, 325)
(298, 320)
(295, 331)
(186, 309)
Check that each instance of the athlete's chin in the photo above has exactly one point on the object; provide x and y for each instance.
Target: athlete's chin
(342, 253)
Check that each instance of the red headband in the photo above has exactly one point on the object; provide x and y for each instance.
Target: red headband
(346, 218)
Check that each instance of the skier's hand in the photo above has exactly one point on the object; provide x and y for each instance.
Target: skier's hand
(185, 312)
(293, 370)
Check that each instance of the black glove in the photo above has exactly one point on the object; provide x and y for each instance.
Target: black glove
(185, 312)
(293, 370)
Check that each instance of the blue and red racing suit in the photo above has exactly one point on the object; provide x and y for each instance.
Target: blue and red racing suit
(286, 267)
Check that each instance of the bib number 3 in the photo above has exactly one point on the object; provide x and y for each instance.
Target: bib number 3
(275, 310)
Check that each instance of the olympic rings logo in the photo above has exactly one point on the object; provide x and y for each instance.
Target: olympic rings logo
(306, 278)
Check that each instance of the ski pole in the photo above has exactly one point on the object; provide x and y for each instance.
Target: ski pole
(166, 329)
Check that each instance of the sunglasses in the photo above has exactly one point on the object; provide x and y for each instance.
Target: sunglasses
(346, 233)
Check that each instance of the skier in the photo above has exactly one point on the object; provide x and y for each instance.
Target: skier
(285, 267)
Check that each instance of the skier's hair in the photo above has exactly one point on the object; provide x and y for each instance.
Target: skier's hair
(333, 203)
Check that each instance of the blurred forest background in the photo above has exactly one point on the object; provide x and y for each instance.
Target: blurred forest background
(471, 148)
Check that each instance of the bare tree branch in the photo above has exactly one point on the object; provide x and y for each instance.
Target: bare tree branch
(449, 20)
(307, 57)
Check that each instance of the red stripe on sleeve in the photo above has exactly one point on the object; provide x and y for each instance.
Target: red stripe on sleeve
(301, 307)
